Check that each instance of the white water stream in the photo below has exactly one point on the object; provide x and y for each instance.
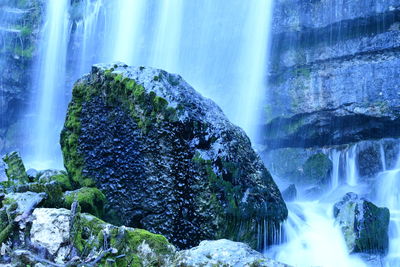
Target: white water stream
(48, 97)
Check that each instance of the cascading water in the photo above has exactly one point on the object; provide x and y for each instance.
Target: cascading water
(388, 195)
(313, 239)
(219, 49)
(311, 232)
(49, 99)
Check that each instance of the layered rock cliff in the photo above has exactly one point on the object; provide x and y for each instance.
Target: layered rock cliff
(334, 73)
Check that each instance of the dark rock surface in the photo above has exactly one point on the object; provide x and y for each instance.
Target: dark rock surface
(334, 73)
(290, 193)
(364, 225)
(166, 158)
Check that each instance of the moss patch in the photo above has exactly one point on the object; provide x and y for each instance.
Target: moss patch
(130, 247)
(317, 168)
(15, 170)
(91, 200)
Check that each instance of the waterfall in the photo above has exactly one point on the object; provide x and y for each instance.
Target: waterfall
(313, 239)
(220, 49)
(48, 97)
(351, 166)
(335, 158)
(388, 195)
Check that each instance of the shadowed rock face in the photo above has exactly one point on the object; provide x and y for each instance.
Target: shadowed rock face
(167, 159)
(334, 73)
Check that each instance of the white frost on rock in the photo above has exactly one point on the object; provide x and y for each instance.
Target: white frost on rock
(223, 252)
(50, 229)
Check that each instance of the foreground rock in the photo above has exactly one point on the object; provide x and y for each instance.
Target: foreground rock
(364, 225)
(31, 235)
(167, 159)
(223, 253)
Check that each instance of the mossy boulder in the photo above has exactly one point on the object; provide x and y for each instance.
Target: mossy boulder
(167, 159)
(91, 200)
(364, 225)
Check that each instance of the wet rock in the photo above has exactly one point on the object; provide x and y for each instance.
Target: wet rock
(290, 193)
(316, 58)
(32, 173)
(223, 253)
(317, 169)
(364, 225)
(167, 159)
(19, 34)
(304, 167)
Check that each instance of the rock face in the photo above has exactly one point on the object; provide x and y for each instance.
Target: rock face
(19, 33)
(166, 158)
(364, 225)
(223, 253)
(334, 73)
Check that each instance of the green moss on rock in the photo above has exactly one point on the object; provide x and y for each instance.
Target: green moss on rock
(91, 200)
(126, 246)
(15, 169)
(317, 168)
(73, 160)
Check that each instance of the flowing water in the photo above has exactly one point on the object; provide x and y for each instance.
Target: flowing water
(313, 239)
(388, 195)
(48, 97)
(220, 49)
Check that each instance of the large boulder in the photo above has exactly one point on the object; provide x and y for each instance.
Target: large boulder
(167, 159)
(223, 253)
(364, 225)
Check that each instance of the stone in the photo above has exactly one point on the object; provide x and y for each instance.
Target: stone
(317, 169)
(166, 158)
(50, 229)
(364, 225)
(32, 173)
(223, 252)
(25, 201)
(290, 193)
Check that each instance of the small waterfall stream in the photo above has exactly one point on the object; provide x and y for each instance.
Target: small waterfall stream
(48, 99)
(388, 195)
(313, 239)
